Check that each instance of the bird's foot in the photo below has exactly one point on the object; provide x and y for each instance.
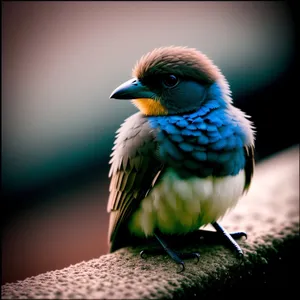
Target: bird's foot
(178, 257)
(158, 251)
(220, 235)
(212, 235)
(228, 238)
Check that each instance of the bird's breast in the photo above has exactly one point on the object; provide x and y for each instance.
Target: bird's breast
(177, 205)
(208, 142)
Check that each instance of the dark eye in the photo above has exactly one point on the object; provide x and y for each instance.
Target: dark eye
(170, 80)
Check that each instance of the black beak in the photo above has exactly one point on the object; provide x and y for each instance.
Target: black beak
(131, 89)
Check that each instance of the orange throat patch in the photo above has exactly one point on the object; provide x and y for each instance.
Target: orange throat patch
(150, 107)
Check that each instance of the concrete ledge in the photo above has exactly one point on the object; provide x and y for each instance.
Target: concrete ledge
(269, 214)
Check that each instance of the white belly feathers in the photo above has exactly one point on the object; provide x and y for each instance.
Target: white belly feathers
(178, 205)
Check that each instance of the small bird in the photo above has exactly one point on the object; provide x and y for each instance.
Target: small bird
(184, 159)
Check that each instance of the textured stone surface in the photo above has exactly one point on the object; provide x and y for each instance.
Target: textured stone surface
(270, 215)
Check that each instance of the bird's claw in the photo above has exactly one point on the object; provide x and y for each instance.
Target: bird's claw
(180, 257)
(240, 255)
(238, 234)
(182, 267)
(190, 255)
(142, 254)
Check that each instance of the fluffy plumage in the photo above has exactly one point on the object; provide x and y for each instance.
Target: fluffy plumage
(186, 158)
(180, 205)
(183, 61)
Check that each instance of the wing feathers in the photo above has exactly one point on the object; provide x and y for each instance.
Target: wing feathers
(134, 170)
(249, 166)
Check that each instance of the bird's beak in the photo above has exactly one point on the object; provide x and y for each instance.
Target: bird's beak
(131, 89)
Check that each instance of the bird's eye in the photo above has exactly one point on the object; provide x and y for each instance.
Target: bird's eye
(170, 80)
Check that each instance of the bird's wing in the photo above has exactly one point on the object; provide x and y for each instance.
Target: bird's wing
(249, 166)
(134, 170)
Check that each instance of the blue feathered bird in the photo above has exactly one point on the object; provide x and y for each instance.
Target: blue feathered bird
(185, 158)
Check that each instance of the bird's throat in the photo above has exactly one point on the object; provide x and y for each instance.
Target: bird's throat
(150, 107)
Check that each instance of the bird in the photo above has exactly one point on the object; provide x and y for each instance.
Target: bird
(184, 159)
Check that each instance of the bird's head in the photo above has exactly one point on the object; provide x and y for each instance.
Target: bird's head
(170, 80)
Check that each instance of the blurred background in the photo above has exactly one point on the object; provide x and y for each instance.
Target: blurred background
(61, 61)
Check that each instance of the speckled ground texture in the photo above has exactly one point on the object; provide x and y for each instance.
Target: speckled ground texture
(270, 215)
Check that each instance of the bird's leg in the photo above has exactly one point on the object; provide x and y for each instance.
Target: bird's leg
(172, 253)
(229, 238)
(176, 256)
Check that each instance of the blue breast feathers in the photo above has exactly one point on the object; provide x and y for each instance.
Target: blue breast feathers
(206, 142)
